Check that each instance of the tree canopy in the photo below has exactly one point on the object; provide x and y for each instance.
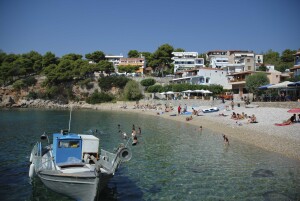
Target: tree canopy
(96, 56)
(256, 80)
(281, 62)
(132, 91)
(133, 54)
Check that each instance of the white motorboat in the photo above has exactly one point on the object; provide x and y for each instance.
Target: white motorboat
(73, 166)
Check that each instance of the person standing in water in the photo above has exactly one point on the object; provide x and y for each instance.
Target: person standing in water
(226, 140)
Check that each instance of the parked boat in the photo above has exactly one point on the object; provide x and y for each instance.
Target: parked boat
(73, 166)
(213, 109)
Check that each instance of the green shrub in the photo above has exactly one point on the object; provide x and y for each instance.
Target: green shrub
(132, 91)
(99, 98)
(32, 95)
(155, 88)
(148, 82)
(106, 83)
(19, 84)
(86, 83)
(30, 81)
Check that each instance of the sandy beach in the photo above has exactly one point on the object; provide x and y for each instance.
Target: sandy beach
(264, 134)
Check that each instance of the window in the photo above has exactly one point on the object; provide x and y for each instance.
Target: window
(249, 67)
(248, 60)
(68, 144)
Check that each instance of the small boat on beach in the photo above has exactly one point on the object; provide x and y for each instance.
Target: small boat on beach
(213, 109)
(72, 165)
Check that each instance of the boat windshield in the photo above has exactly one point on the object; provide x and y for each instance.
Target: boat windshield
(69, 144)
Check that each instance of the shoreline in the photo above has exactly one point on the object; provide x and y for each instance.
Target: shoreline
(279, 144)
(284, 140)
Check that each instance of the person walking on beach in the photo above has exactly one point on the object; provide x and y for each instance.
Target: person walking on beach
(179, 109)
(232, 105)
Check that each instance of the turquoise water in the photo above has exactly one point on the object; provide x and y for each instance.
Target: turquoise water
(173, 161)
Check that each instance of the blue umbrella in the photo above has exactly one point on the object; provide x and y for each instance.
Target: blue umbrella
(294, 84)
(265, 86)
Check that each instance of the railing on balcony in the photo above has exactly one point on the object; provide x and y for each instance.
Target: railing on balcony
(237, 80)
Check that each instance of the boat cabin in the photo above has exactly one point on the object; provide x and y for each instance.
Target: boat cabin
(70, 148)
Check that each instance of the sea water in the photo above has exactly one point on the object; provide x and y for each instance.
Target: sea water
(172, 161)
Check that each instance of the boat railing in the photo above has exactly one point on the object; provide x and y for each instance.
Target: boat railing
(41, 161)
(108, 160)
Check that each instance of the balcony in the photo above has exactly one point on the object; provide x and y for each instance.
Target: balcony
(237, 80)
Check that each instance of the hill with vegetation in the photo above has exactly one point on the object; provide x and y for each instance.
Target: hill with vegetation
(32, 76)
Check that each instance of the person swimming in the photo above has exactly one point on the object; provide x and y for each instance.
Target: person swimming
(226, 140)
(134, 141)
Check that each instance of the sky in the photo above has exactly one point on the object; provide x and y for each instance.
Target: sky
(117, 26)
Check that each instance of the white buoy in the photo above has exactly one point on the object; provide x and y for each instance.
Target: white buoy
(31, 157)
(31, 170)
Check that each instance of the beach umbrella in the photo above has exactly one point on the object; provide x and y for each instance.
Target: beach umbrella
(207, 92)
(169, 93)
(198, 91)
(294, 110)
(280, 85)
(294, 84)
(188, 91)
(265, 86)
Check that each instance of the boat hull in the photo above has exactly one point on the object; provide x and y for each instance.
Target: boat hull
(80, 187)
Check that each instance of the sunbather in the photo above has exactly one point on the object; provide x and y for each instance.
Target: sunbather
(252, 119)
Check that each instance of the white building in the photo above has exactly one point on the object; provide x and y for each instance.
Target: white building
(203, 76)
(233, 61)
(259, 58)
(115, 59)
(186, 60)
(217, 58)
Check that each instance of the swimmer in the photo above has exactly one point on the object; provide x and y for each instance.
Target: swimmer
(225, 138)
(134, 141)
(200, 129)
(124, 135)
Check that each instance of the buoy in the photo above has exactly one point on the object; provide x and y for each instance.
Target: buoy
(31, 170)
(125, 154)
(31, 157)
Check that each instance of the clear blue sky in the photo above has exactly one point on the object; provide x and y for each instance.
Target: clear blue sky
(117, 26)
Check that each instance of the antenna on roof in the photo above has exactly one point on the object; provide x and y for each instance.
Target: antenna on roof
(70, 119)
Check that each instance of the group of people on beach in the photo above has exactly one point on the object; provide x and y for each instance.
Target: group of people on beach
(242, 116)
(181, 110)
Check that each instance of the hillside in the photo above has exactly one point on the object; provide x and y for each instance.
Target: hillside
(29, 96)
